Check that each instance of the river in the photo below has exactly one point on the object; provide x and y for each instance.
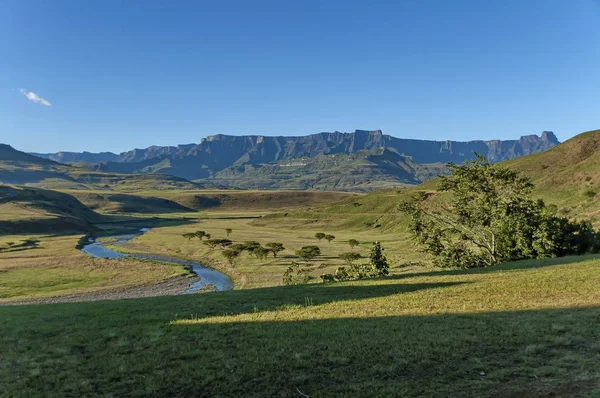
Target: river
(208, 276)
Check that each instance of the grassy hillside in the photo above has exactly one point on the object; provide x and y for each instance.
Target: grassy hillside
(526, 330)
(34, 210)
(20, 168)
(567, 175)
(365, 170)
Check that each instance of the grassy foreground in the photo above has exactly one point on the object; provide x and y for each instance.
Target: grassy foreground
(525, 329)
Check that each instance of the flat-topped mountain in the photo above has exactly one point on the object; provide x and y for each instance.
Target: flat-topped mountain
(225, 159)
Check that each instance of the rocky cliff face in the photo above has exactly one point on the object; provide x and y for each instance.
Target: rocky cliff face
(218, 152)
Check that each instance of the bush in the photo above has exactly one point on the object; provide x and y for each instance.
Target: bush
(307, 253)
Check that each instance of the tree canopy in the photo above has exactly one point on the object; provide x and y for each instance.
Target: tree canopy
(491, 218)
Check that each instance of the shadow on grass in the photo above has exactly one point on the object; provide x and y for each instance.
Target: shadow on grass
(126, 346)
(506, 267)
(27, 244)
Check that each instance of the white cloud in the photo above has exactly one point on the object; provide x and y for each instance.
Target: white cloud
(31, 96)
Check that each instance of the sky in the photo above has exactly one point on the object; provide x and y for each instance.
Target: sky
(109, 75)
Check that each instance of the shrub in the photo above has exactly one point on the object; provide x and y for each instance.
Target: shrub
(350, 257)
(231, 255)
(275, 247)
(353, 243)
(307, 253)
(319, 235)
(329, 238)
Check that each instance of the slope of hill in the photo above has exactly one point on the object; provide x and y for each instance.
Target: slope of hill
(215, 154)
(33, 210)
(364, 170)
(567, 175)
(20, 168)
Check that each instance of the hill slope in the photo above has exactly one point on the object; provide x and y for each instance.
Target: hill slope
(32, 210)
(221, 153)
(20, 168)
(567, 175)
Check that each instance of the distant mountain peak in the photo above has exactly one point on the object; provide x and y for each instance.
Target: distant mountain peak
(550, 137)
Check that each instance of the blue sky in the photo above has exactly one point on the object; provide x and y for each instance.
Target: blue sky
(125, 74)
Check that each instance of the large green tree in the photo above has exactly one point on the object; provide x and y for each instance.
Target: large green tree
(490, 218)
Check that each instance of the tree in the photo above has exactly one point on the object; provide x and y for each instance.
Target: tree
(228, 231)
(353, 243)
(201, 234)
(220, 242)
(261, 252)
(307, 253)
(250, 245)
(329, 238)
(240, 247)
(319, 235)
(224, 242)
(378, 261)
(189, 235)
(231, 255)
(350, 257)
(207, 236)
(275, 247)
(294, 275)
(491, 218)
(212, 243)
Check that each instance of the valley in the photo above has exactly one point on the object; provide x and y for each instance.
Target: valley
(525, 327)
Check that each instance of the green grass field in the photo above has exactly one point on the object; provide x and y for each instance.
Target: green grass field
(36, 267)
(526, 329)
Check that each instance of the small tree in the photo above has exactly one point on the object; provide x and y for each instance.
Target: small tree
(201, 234)
(228, 231)
(224, 242)
(275, 247)
(231, 255)
(207, 236)
(350, 257)
(307, 253)
(319, 235)
(189, 235)
(294, 275)
(353, 243)
(238, 247)
(250, 245)
(212, 243)
(378, 260)
(260, 252)
(329, 238)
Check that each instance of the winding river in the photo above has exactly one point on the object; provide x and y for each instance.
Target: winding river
(208, 276)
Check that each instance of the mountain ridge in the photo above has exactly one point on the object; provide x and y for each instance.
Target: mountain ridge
(218, 152)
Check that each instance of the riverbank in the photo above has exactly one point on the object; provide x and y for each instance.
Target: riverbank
(170, 287)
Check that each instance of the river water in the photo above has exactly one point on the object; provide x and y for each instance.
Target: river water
(208, 276)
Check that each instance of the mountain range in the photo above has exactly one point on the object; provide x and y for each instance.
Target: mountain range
(359, 161)
(362, 160)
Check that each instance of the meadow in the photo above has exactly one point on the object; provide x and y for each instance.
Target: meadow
(522, 329)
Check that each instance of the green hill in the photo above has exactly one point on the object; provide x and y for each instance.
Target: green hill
(364, 170)
(567, 175)
(20, 168)
(32, 210)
